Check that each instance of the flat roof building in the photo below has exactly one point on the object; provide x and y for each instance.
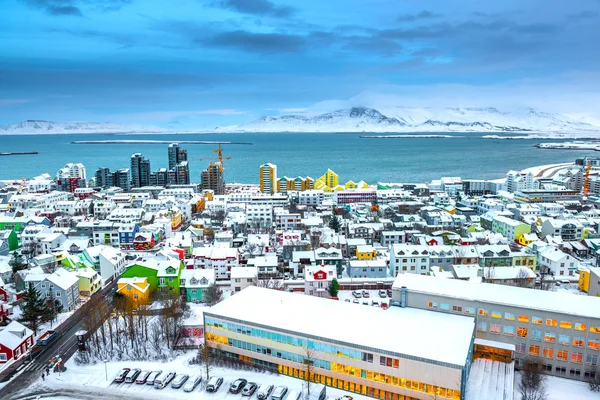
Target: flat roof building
(393, 354)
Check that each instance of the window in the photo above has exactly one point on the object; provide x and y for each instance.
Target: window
(433, 304)
(562, 355)
(523, 318)
(495, 328)
(564, 339)
(566, 325)
(445, 307)
(580, 327)
(496, 314)
(534, 350)
(2, 356)
(594, 344)
(536, 320)
(578, 341)
(367, 357)
(522, 331)
(576, 357)
(548, 352)
(509, 316)
(483, 312)
(482, 326)
(521, 348)
(574, 372)
(595, 329)
(550, 337)
(551, 322)
(509, 330)
(536, 335)
(457, 308)
(470, 310)
(591, 359)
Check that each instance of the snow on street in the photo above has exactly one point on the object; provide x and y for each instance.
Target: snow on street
(490, 380)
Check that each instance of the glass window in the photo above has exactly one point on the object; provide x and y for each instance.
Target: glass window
(509, 316)
(445, 307)
(564, 339)
(495, 328)
(562, 355)
(521, 348)
(578, 341)
(566, 324)
(595, 329)
(548, 352)
(457, 308)
(536, 335)
(482, 326)
(496, 314)
(591, 359)
(551, 322)
(523, 318)
(433, 304)
(522, 331)
(580, 327)
(470, 310)
(534, 349)
(536, 320)
(576, 357)
(483, 312)
(550, 337)
(593, 344)
(509, 330)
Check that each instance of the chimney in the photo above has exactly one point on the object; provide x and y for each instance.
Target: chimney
(403, 292)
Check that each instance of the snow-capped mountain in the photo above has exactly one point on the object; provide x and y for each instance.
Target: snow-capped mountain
(402, 119)
(35, 127)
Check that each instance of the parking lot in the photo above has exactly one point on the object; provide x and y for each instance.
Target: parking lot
(374, 299)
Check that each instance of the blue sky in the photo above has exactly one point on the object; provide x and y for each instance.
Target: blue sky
(201, 63)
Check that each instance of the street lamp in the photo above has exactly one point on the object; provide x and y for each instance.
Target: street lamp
(105, 370)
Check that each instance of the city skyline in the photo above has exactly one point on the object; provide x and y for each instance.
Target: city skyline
(208, 63)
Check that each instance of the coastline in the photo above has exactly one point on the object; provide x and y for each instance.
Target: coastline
(154, 142)
(18, 153)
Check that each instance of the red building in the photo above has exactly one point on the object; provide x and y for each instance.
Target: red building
(144, 241)
(15, 340)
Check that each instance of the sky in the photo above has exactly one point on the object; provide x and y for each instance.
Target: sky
(203, 63)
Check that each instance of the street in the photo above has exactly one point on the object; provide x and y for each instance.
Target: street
(64, 346)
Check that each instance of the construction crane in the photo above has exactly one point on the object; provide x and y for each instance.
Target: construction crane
(586, 178)
(219, 159)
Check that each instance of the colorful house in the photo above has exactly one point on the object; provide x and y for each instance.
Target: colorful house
(195, 282)
(161, 271)
(366, 252)
(15, 340)
(526, 239)
(136, 289)
(10, 236)
(144, 241)
(584, 280)
(89, 281)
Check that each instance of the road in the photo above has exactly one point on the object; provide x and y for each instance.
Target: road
(64, 346)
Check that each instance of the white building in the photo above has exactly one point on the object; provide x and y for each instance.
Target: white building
(242, 277)
(409, 258)
(111, 261)
(518, 181)
(558, 263)
(318, 278)
(221, 259)
(72, 170)
(259, 214)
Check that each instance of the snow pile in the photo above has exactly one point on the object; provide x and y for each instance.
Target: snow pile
(402, 119)
(490, 380)
(36, 127)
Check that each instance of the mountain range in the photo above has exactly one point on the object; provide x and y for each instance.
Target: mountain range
(355, 119)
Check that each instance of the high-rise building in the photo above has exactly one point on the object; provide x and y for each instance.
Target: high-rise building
(72, 170)
(120, 178)
(140, 170)
(268, 178)
(104, 178)
(212, 179)
(176, 155)
(159, 177)
(183, 173)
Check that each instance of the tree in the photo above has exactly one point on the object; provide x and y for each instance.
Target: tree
(16, 262)
(522, 278)
(533, 383)
(334, 288)
(308, 366)
(594, 379)
(34, 309)
(334, 223)
(212, 295)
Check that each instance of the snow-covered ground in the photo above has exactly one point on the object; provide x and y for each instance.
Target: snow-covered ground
(344, 295)
(94, 378)
(562, 389)
(490, 380)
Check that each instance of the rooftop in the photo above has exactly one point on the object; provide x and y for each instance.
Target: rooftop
(417, 333)
(566, 303)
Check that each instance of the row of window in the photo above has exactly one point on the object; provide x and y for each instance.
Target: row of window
(512, 317)
(290, 340)
(561, 355)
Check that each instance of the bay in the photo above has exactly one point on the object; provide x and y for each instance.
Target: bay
(415, 159)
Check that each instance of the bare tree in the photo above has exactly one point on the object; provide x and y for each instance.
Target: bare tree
(533, 383)
(594, 379)
(489, 274)
(522, 279)
(212, 295)
(308, 361)
(276, 284)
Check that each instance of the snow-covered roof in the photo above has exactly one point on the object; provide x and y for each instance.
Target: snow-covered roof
(490, 293)
(141, 284)
(198, 277)
(244, 272)
(13, 334)
(63, 278)
(508, 273)
(418, 329)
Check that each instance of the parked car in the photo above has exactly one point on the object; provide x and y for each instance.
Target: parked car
(279, 393)
(365, 303)
(192, 383)
(356, 301)
(141, 379)
(132, 375)
(366, 294)
(163, 381)
(237, 385)
(389, 292)
(346, 397)
(264, 391)
(214, 384)
(179, 381)
(356, 294)
(293, 395)
(384, 306)
(347, 300)
(121, 375)
(249, 389)
(375, 303)
(152, 377)
(382, 294)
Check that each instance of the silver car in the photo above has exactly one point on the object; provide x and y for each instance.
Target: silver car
(192, 383)
(163, 381)
(152, 377)
(179, 381)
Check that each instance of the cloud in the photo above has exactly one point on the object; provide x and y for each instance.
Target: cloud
(256, 42)
(256, 7)
(73, 7)
(169, 115)
(416, 17)
(12, 102)
(295, 110)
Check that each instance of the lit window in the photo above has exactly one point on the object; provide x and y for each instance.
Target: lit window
(483, 312)
(562, 355)
(551, 322)
(536, 320)
(509, 330)
(509, 316)
(580, 327)
(495, 328)
(550, 337)
(457, 308)
(578, 341)
(566, 325)
(523, 318)
(470, 310)
(548, 352)
(496, 314)
(522, 331)
(564, 339)
(534, 350)
(595, 329)
(576, 357)
(433, 304)
(593, 344)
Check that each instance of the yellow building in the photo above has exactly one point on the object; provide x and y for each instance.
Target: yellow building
(524, 260)
(350, 185)
(362, 185)
(137, 290)
(89, 281)
(525, 239)
(365, 252)
(330, 179)
(268, 178)
(584, 280)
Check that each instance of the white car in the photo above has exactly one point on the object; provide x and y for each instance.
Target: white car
(192, 383)
(356, 294)
(163, 381)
